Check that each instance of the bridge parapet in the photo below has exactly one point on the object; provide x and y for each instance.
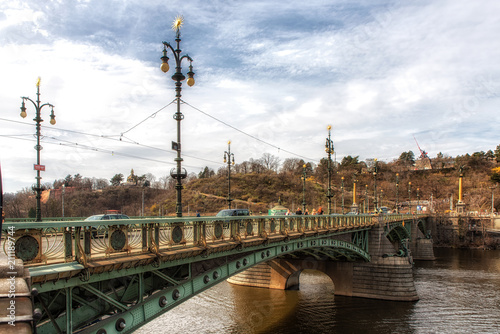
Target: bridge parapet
(41, 243)
(69, 261)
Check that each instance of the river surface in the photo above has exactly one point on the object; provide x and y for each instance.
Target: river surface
(459, 293)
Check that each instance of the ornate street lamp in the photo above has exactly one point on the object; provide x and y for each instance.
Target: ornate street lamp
(304, 188)
(367, 201)
(418, 199)
(62, 196)
(329, 150)
(178, 173)
(493, 199)
(375, 202)
(354, 206)
(227, 157)
(460, 203)
(397, 192)
(409, 197)
(38, 119)
(342, 188)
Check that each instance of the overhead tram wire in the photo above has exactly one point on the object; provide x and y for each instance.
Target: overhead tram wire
(246, 134)
(110, 137)
(130, 141)
(95, 149)
(100, 150)
(71, 144)
(195, 108)
(153, 115)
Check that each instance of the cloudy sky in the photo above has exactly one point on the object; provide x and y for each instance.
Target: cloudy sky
(270, 76)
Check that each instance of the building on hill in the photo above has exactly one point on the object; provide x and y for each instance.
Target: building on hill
(423, 163)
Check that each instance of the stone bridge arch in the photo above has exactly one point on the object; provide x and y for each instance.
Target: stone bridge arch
(411, 238)
(388, 275)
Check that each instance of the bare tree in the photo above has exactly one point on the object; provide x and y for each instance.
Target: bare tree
(164, 182)
(292, 165)
(243, 167)
(256, 166)
(270, 162)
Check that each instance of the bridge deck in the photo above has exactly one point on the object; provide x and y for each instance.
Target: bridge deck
(61, 250)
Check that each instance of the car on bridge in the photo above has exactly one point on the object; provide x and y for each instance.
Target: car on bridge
(108, 216)
(233, 212)
(383, 209)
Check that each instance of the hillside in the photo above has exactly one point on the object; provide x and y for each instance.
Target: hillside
(259, 188)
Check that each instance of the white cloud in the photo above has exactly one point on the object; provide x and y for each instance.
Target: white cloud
(377, 73)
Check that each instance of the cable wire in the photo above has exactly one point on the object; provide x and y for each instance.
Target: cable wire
(246, 134)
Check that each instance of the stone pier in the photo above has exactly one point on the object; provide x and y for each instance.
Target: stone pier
(421, 244)
(387, 276)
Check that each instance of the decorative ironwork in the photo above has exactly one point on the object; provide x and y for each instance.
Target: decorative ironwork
(85, 242)
(118, 240)
(218, 230)
(27, 248)
(249, 228)
(177, 234)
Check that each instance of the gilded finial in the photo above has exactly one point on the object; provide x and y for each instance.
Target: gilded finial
(179, 20)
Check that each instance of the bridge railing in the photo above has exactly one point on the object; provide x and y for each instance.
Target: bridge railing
(39, 243)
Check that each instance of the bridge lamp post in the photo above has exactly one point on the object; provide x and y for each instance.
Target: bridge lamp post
(227, 157)
(178, 173)
(367, 203)
(418, 199)
(329, 150)
(381, 196)
(62, 196)
(409, 196)
(342, 188)
(304, 188)
(493, 199)
(354, 206)
(397, 192)
(375, 202)
(38, 120)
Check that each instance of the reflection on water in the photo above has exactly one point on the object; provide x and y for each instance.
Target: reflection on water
(459, 293)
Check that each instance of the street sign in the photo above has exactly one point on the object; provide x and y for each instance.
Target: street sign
(40, 167)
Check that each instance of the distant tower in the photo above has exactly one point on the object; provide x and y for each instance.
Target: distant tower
(460, 203)
(423, 162)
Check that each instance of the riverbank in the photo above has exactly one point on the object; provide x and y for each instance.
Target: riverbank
(465, 232)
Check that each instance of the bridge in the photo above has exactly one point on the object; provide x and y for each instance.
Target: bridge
(115, 276)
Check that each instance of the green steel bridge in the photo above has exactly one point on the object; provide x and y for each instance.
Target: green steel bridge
(114, 276)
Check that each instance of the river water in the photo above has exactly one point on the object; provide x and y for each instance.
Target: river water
(459, 293)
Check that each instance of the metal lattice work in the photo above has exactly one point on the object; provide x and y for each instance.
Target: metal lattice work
(84, 241)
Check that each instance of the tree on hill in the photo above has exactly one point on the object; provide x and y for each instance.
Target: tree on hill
(495, 176)
(497, 153)
(407, 159)
(292, 165)
(270, 162)
(116, 180)
(321, 173)
(206, 173)
(350, 163)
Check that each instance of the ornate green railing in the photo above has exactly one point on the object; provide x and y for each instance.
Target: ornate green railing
(40, 243)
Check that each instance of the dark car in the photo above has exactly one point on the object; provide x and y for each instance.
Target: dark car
(233, 212)
(108, 216)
